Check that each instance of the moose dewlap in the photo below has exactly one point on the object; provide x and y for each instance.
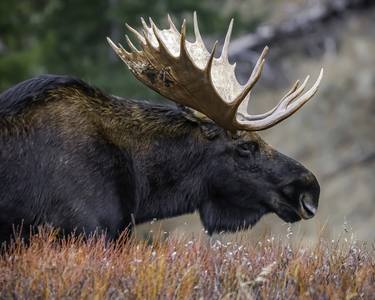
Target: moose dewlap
(84, 161)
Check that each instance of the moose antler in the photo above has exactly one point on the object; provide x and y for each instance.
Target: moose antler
(188, 74)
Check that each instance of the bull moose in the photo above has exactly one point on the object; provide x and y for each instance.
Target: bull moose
(81, 160)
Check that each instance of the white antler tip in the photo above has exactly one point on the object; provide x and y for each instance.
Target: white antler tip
(112, 44)
(319, 78)
(321, 72)
(183, 28)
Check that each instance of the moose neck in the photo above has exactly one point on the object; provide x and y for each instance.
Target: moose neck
(167, 152)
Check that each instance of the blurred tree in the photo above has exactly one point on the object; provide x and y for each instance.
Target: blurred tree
(68, 37)
(19, 54)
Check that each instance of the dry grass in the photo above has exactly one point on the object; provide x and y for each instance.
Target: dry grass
(183, 268)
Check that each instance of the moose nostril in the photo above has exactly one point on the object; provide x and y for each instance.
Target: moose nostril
(307, 205)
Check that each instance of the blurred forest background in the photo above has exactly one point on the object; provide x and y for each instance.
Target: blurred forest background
(334, 135)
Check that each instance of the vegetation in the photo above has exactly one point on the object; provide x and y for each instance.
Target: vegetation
(68, 37)
(183, 268)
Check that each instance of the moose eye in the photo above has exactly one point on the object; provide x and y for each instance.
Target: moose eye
(248, 148)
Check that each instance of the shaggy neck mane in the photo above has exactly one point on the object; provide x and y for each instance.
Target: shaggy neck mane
(168, 154)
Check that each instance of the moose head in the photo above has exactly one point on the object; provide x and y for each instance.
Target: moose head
(239, 177)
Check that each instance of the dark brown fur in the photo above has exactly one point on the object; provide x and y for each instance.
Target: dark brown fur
(81, 160)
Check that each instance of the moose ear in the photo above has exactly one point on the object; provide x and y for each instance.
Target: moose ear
(209, 129)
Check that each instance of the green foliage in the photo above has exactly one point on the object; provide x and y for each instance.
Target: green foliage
(68, 37)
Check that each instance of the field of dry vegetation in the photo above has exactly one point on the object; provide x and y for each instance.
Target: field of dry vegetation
(187, 268)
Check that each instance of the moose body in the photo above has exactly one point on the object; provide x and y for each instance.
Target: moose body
(76, 158)
(84, 161)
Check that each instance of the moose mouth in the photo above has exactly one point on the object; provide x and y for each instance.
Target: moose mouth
(289, 213)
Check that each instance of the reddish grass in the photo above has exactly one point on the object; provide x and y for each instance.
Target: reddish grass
(183, 268)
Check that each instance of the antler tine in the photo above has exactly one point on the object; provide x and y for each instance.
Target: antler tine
(255, 75)
(171, 24)
(259, 61)
(224, 52)
(152, 23)
(122, 47)
(293, 88)
(297, 104)
(283, 103)
(198, 37)
(162, 47)
(266, 114)
(119, 51)
(136, 33)
(183, 30)
(210, 61)
(112, 44)
(290, 98)
(146, 32)
(183, 50)
(147, 38)
(144, 24)
(130, 44)
(281, 112)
